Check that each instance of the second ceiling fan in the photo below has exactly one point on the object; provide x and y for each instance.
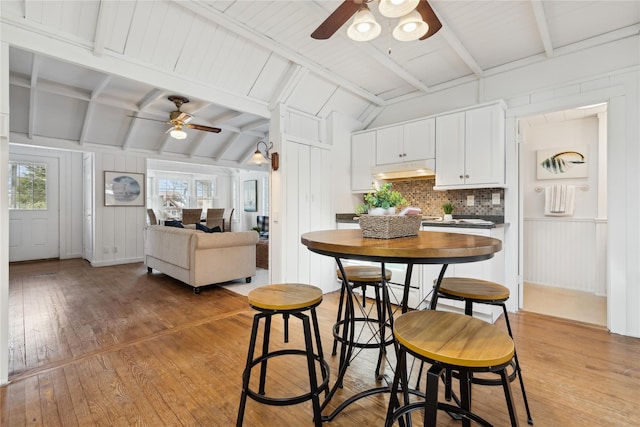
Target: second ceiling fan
(179, 120)
(417, 20)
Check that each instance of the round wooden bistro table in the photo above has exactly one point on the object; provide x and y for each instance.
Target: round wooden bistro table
(424, 248)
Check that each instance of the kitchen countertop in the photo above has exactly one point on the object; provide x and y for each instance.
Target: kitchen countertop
(461, 221)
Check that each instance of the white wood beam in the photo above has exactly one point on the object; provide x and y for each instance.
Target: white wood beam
(103, 27)
(196, 143)
(253, 125)
(460, 49)
(543, 29)
(126, 140)
(286, 85)
(35, 65)
(252, 149)
(91, 107)
(150, 97)
(230, 142)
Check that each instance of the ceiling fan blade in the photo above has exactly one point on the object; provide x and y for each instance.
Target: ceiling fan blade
(202, 127)
(428, 16)
(147, 118)
(339, 16)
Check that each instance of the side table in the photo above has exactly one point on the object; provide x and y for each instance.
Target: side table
(262, 253)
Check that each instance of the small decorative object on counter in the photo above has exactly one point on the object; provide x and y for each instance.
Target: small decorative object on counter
(381, 201)
(448, 209)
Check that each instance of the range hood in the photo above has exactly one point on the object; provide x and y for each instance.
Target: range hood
(417, 169)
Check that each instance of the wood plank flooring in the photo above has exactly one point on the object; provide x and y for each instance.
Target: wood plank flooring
(116, 346)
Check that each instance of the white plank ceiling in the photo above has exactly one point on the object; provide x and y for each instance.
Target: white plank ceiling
(236, 60)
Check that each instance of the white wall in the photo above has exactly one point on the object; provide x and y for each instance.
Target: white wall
(118, 229)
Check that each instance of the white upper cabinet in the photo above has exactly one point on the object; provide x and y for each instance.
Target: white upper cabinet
(406, 143)
(470, 148)
(363, 158)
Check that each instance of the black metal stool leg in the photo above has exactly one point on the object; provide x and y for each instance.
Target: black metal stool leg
(509, 397)
(311, 366)
(519, 371)
(246, 375)
(265, 350)
(339, 317)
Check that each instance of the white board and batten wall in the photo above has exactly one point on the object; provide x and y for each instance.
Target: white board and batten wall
(565, 251)
(301, 198)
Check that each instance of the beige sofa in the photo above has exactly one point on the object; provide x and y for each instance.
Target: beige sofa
(198, 258)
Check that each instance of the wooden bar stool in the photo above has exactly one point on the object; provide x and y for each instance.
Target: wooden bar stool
(289, 299)
(448, 341)
(475, 291)
(362, 276)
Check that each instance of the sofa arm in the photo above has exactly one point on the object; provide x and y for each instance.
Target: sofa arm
(225, 240)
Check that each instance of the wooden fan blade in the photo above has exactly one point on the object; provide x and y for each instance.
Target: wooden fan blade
(339, 16)
(428, 16)
(202, 127)
(147, 118)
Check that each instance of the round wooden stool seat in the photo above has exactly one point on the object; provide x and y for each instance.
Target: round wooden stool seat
(364, 273)
(475, 289)
(449, 341)
(285, 296)
(453, 339)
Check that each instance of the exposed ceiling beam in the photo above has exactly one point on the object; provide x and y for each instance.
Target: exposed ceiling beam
(35, 65)
(150, 97)
(230, 142)
(543, 29)
(103, 27)
(236, 27)
(91, 107)
(196, 142)
(254, 125)
(164, 143)
(459, 48)
(286, 84)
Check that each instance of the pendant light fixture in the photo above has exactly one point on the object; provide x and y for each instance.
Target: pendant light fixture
(364, 27)
(396, 8)
(410, 26)
(178, 133)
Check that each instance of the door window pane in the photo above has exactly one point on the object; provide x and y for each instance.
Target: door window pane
(27, 185)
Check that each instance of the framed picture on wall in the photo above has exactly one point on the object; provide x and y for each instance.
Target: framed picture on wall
(558, 163)
(123, 189)
(251, 196)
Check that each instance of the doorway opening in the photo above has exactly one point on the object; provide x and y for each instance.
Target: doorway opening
(563, 174)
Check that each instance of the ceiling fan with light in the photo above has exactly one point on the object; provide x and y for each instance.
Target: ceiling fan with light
(179, 119)
(417, 20)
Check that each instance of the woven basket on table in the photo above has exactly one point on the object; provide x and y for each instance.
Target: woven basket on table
(389, 226)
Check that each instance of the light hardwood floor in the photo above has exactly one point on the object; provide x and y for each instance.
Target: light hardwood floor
(116, 346)
(566, 303)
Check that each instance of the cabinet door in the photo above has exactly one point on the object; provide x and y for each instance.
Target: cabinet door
(419, 140)
(450, 133)
(363, 157)
(389, 145)
(484, 146)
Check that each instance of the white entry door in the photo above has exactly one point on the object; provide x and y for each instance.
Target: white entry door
(33, 228)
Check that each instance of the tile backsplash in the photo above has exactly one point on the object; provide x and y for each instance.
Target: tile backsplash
(420, 193)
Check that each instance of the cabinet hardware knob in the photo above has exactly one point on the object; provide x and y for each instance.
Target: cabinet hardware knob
(466, 176)
(461, 176)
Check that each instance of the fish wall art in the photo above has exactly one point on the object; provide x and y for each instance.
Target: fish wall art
(561, 163)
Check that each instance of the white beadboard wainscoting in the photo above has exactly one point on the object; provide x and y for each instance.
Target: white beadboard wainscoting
(568, 253)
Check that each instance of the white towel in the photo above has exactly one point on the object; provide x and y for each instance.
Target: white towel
(559, 200)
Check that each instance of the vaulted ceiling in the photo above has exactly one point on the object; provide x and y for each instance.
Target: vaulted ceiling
(81, 71)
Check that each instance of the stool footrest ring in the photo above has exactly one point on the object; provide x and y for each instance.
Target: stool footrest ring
(284, 401)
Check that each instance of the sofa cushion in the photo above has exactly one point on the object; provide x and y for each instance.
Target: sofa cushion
(206, 229)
